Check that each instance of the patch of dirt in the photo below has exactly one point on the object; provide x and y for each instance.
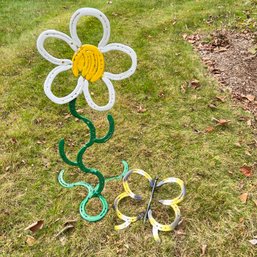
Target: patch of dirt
(232, 58)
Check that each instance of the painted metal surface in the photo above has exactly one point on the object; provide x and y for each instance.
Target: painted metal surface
(87, 63)
(173, 203)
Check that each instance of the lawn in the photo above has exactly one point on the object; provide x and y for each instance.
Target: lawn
(161, 127)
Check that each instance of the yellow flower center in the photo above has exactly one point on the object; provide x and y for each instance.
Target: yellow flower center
(88, 62)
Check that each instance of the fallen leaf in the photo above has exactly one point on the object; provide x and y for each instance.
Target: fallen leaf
(161, 94)
(184, 36)
(209, 129)
(183, 88)
(30, 240)
(250, 97)
(194, 84)
(252, 50)
(249, 123)
(69, 222)
(141, 109)
(204, 248)
(63, 240)
(34, 227)
(40, 142)
(241, 220)
(194, 97)
(37, 121)
(243, 197)
(255, 201)
(67, 116)
(65, 229)
(246, 170)
(221, 49)
(14, 140)
(248, 153)
(216, 71)
(180, 232)
(221, 122)
(253, 241)
(220, 98)
(212, 106)
(80, 110)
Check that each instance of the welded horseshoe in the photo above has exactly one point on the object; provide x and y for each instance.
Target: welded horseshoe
(156, 226)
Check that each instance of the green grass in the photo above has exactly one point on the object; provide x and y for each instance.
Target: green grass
(163, 140)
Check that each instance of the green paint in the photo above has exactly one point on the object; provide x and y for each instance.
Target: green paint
(92, 191)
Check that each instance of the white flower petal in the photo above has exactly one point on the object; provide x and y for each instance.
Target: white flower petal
(48, 86)
(90, 12)
(90, 101)
(55, 34)
(127, 50)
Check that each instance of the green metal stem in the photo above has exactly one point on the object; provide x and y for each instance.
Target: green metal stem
(93, 192)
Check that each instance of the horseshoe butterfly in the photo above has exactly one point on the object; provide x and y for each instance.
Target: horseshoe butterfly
(148, 214)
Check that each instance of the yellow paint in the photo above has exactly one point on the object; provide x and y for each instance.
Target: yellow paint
(88, 62)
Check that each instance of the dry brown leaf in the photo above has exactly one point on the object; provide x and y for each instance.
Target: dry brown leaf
(180, 232)
(220, 98)
(183, 88)
(212, 106)
(39, 142)
(69, 222)
(255, 201)
(63, 240)
(246, 170)
(248, 153)
(209, 129)
(37, 121)
(161, 94)
(250, 98)
(34, 227)
(194, 84)
(221, 49)
(204, 248)
(221, 122)
(67, 116)
(80, 110)
(141, 109)
(241, 220)
(65, 229)
(249, 123)
(14, 140)
(30, 240)
(243, 197)
(238, 144)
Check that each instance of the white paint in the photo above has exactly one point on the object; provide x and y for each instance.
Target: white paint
(90, 101)
(66, 64)
(90, 12)
(127, 50)
(48, 86)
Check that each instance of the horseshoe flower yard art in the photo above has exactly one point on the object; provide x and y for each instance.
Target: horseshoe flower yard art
(88, 66)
